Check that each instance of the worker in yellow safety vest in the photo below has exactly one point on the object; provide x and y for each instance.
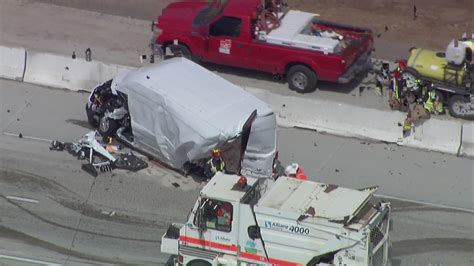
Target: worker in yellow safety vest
(215, 163)
(433, 104)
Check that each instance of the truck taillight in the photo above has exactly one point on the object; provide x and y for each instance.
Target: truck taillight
(180, 259)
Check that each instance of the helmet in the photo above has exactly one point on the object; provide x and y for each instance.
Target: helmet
(291, 169)
(402, 64)
(216, 152)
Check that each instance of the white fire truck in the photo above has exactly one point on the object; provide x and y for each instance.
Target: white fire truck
(247, 221)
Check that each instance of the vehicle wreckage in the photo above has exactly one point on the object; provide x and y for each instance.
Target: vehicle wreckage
(176, 111)
(89, 148)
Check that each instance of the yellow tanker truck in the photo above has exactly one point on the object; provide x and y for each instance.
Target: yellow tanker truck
(450, 72)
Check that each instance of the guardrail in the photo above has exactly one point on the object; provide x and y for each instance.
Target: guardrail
(454, 137)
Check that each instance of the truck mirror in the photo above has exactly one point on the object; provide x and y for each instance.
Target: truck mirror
(468, 54)
(254, 232)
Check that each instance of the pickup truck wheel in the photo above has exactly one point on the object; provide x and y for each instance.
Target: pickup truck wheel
(301, 79)
(460, 107)
(108, 127)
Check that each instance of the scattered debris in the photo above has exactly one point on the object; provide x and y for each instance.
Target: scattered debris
(20, 135)
(337, 170)
(386, 28)
(175, 184)
(8, 111)
(315, 144)
(100, 159)
(18, 119)
(283, 105)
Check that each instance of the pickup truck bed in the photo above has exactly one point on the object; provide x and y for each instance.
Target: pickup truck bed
(295, 31)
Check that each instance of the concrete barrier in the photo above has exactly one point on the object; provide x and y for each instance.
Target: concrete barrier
(467, 143)
(436, 135)
(12, 63)
(353, 121)
(333, 117)
(64, 72)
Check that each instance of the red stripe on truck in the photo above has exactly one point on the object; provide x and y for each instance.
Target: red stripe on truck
(197, 241)
(234, 248)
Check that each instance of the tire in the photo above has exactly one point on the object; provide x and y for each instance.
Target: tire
(91, 119)
(199, 263)
(410, 76)
(108, 127)
(301, 79)
(455, 107)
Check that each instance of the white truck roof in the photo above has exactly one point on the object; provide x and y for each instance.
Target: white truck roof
(293, 197)
(221, 187)
(294, 31)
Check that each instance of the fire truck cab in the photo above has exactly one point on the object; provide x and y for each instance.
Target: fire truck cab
(248, 221)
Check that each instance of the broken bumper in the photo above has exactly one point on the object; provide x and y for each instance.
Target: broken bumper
(363, 64)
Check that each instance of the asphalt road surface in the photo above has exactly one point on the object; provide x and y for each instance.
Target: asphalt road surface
(52, 212)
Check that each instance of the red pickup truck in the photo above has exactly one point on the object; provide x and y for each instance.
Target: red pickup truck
(261, 35)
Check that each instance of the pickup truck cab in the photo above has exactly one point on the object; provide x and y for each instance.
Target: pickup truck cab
(249, 34)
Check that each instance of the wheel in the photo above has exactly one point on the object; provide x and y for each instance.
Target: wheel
(410, 78)
(108, 127)
(199, 263)
(91, 117)
(301, 79)
(460, 107)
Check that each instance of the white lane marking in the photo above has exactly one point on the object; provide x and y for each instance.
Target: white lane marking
(26, 137)
(426, 203)
(28, 260)
(22, 199)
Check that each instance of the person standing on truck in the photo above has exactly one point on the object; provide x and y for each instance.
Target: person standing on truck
(214, 164)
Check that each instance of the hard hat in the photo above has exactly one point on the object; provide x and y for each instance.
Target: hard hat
(291, 169)
(216, 152)
(402, 64)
